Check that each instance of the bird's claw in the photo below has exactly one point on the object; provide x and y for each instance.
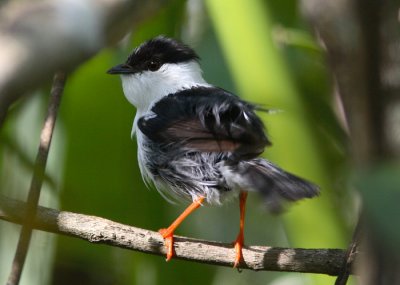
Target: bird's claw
(169, 243)
(238, 246)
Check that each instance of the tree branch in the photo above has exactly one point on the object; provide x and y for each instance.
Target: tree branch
(103, 231)
(360, 50)
(37, 179)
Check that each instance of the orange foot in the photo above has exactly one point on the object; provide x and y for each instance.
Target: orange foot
(168, 234)
(169, 242)
(238, 245)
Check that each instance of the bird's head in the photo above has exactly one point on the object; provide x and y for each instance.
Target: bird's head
(156, 68)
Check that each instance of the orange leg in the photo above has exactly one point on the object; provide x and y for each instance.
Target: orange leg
(168, 233)
(239, 242)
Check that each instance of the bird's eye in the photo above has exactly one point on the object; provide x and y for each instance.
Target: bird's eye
(154, 65)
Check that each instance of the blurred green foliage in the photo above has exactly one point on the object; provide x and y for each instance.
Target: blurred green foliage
(381, 206)
(261, 50)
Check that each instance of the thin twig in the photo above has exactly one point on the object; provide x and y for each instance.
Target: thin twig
(37, 179)
(17, 149)
(100, 230)
(348, 260)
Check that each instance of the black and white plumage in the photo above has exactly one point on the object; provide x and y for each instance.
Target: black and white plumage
(195, 139)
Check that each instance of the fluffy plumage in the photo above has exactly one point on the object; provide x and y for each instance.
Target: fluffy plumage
(195, 139)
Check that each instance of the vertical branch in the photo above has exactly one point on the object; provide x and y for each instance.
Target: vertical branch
(362, 49)
(366, 122)
(37, 179)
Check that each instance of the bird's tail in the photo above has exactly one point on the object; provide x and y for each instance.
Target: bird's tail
(272, 182)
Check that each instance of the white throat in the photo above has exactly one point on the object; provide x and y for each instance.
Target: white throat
(146, 88)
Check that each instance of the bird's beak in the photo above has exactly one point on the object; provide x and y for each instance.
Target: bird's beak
(121, 69)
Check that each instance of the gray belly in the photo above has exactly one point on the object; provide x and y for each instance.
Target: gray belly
(185, 175)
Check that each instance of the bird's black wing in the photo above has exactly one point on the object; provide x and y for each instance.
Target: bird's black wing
(206, 119)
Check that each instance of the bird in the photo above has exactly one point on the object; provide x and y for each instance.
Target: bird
(196, 142)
